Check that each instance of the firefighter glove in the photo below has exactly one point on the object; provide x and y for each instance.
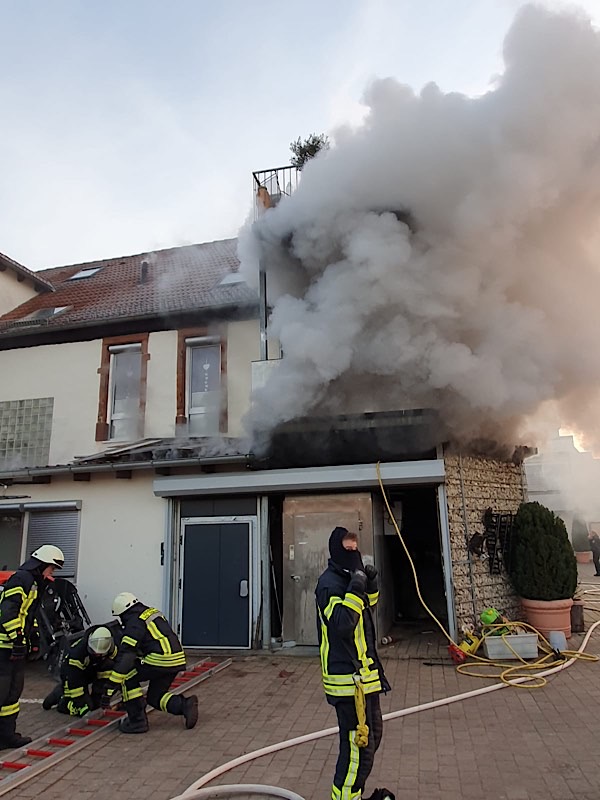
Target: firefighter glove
(19, 648)
(106, 698)
(34, 643)
(371, 573)
(358, 583)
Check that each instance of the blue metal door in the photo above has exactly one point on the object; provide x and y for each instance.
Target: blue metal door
(215, 591)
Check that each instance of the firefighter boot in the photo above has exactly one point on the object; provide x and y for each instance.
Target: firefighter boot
(9, 738)
(136, 720)
(53, 698)
(190, 711)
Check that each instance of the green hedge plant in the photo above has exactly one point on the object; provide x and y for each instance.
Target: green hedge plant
(543, 564)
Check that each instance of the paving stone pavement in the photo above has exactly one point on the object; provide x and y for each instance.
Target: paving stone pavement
(512, 744)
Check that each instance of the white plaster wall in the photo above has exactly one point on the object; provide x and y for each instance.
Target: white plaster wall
(161, 391)
(13, 293)
(68, 373)
(243, 347)
(122, 527)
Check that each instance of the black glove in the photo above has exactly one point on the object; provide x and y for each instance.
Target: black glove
(358, 583)
(34, 644)
(106, 698)
(372, 583)
(19, 648)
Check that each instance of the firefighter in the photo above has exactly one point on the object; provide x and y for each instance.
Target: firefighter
(84, 673)
(352, 674)
(149, 650)
(19, 635)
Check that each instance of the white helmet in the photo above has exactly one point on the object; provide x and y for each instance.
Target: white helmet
(50, 554)
(100, 641)
(122, 602)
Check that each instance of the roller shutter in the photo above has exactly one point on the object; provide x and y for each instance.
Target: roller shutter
(60, 528)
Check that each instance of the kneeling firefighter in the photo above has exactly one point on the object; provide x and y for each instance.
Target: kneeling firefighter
(352, 674)
(84, 673)
(149, 650)
(19, 635)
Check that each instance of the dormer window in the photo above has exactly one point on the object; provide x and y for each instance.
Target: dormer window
(84, 273)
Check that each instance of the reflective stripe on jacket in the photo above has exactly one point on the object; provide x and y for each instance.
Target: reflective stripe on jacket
(18, 604)
(148, 636)
(346, 637)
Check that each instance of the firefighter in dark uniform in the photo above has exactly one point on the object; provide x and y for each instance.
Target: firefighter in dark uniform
(84, 673)
(19, 635)
(352, 674)
(149, 651)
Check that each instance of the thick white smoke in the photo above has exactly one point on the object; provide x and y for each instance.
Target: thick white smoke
(485, 305)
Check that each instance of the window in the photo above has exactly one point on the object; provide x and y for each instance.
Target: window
(11, 532)
(25, 432)
(26, 526)
(125, 387)
(122, 398)
(84, 273)
(200, 386)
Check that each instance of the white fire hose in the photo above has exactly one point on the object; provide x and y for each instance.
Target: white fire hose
(196, 790)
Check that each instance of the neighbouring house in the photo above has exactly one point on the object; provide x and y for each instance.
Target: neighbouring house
(125, 386)
(565, 480)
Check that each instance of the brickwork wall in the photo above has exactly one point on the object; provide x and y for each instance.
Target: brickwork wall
(485, 483)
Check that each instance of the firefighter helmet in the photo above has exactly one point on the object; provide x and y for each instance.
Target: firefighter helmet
(100, 641)
(50, 554)
(122, 602)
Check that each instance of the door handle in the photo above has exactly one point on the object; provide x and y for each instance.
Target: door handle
(243, 588)
(295, 578)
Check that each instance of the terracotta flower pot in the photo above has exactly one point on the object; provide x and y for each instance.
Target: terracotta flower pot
(548, 615)
(584, 557)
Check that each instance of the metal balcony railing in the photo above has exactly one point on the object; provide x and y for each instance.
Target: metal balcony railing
(270, 185)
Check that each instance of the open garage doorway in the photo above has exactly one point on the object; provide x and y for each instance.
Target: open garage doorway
(401, 614)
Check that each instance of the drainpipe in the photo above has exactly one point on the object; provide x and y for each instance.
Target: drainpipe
(262, 289)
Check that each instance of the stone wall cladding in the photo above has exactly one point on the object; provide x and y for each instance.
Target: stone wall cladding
(486, 483)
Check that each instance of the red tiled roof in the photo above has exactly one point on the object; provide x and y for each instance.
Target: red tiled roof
(179, 279)
(38, 281)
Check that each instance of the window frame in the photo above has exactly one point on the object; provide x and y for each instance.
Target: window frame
(103, 423)
(186, 339)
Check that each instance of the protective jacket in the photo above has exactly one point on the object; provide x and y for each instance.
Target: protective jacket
(19, 604)
(147, 636)
(82, 668)
(347, 642)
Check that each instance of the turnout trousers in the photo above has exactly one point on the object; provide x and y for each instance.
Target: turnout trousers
(12, 680)
(355, 763)
(158, 695)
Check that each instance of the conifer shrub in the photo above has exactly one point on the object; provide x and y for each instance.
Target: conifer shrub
(579, 536)
(543, 565)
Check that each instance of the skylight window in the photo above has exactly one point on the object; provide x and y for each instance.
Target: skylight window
(84, 273)
(231, 278)
(47, 313)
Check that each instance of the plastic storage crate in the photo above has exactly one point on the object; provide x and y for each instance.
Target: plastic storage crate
(524, 644)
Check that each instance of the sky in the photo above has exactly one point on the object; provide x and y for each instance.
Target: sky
(130, 127)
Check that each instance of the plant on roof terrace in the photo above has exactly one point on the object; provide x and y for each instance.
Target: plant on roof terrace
(303, 151)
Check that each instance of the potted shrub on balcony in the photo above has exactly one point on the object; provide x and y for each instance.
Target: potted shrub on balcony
(543, 568)
(580, 541)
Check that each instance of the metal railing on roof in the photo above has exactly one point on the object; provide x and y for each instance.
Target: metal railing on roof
(270, 185)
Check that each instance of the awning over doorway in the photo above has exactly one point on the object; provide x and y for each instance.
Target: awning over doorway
(358, 476)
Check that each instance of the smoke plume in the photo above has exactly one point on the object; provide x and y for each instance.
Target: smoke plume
(446, 254)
